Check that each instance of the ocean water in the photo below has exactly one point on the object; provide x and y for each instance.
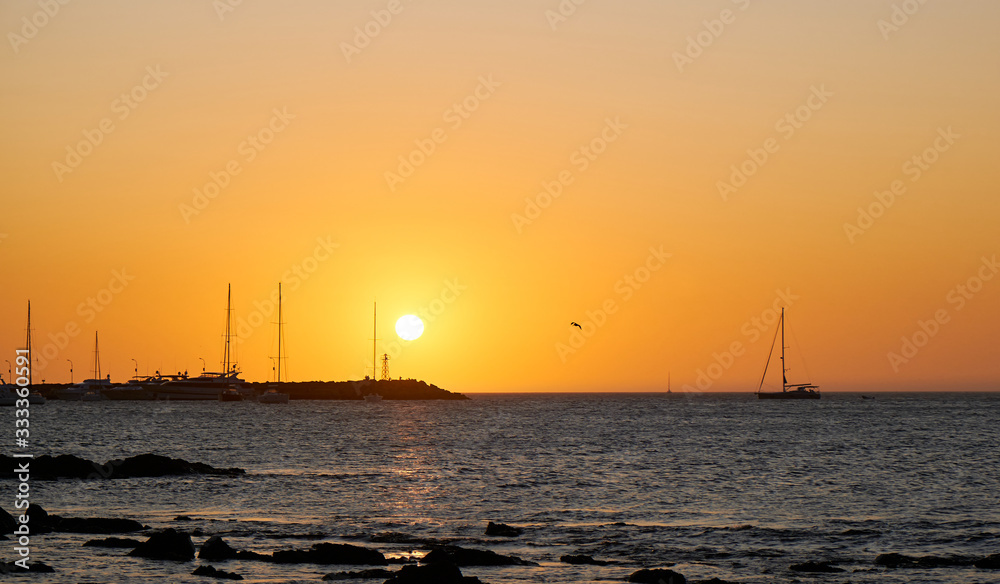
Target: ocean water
(721, 485)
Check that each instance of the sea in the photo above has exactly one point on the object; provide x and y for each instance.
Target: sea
(712, 485)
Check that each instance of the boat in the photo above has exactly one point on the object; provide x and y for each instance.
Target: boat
(9, 392)
(272, 395)
(88, 389)
(788, 390)
(224, 385)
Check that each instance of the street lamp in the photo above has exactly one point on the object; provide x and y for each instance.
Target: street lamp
(9, 372)
(202, 365)
(136, 369)
(70, 371)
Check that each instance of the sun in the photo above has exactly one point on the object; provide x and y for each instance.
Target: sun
(409, 327)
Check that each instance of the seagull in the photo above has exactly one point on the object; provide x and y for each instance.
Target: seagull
(576, 325)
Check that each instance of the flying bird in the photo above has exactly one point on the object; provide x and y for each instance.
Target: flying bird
(577, 325)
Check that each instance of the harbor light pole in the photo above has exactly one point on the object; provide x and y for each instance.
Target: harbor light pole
(70, 371)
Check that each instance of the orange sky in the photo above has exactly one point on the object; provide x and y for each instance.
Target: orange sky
(299, 125)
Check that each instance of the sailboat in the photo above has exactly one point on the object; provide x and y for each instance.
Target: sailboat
(374, 397)
(10, 392)
(88, 389)
(272, 395)
(788, 390)
(219, 386)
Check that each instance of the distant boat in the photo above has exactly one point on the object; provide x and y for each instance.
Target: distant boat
(88, 389)
(8, 391)
(272, 395)
(788, 390)
(219, 386)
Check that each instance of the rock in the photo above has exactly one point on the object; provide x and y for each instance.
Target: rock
(36, 568)
(360, 574)
(99, 525)
(583, 560)
(331, 553)
(503, 530)
(245, 555)
(7, 522)
(452, 554)
(432, 573)
(815, 567)
(113, 542)
(216, 573)
(658, 576)
(48, 467)
(991, 562)
(168, 544)
(216, 549)
(894, 560)
(183, 518)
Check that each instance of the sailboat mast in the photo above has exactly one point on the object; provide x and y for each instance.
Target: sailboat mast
(784, 378)
(97, 358)
(28, 342)
(374, 337)
(225, 350)
(279, 332)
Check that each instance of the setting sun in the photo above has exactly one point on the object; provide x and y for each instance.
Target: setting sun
(409, 327)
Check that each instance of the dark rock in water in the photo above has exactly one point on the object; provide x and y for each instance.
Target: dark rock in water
(658, 576)
(503, 530)
(433, 573)
(98, 525)
(452, 554)
(113, 542)
(168, 544)
(331, 553)
(991, 562)
(583, 560)
(815, 567)
(216, 549)
(35, 568)
(360, 574)
(894, 560)
(216, 573)
(7, 522)
(183, 518)
(48, 467)
(245, 555)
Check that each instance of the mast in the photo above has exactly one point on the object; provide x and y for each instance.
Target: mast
(374, 337)
(784, 378)
(229, 306)
(279, 332)
(97, 359)
(28, 342)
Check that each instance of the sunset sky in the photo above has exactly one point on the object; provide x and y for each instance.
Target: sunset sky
(710, 160)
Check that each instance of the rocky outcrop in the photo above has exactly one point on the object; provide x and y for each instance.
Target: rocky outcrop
(213, 572)
(503, 530)
(991, 562)
(657, 576)
(168, 544)
(452, 554)
(66, 466)
(433, 573)
(216, 549)
(33, 568)
(41, 521)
